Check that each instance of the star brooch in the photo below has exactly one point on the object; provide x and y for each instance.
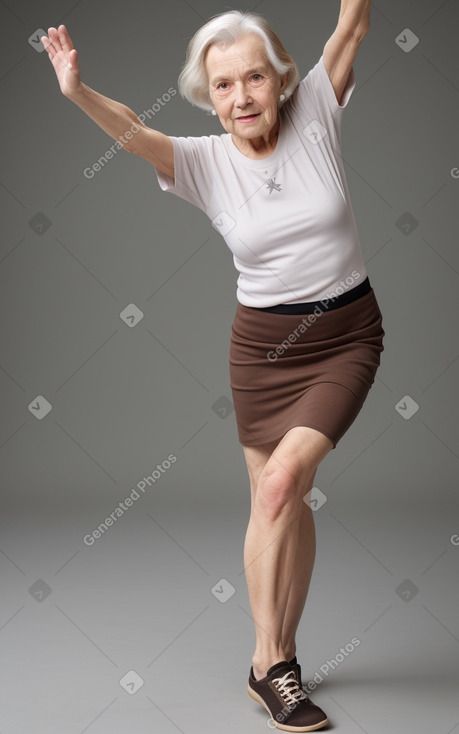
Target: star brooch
(272, 185)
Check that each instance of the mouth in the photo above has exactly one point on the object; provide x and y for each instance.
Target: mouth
(248, 118)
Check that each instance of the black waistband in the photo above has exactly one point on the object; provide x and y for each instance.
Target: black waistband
(326, 304)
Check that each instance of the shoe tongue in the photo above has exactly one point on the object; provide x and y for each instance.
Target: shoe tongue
(278, 666)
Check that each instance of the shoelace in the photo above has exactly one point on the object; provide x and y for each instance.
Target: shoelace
(289, 689)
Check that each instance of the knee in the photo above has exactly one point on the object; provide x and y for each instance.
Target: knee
(277, 491)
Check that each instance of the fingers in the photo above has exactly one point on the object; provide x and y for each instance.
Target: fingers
(60, 39)
(54, 38)
(65, 39)
(57, 40)
(48, 45)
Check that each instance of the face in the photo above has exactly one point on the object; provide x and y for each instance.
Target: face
(244, 87)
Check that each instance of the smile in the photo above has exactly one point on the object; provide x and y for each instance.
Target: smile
(248, 118)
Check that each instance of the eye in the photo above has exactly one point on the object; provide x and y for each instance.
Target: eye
(220, 85)
(258, 75)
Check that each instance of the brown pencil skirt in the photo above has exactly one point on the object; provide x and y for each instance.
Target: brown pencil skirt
(310, 370)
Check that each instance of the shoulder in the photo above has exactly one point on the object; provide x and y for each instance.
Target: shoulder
(205, 146)
(317, 89)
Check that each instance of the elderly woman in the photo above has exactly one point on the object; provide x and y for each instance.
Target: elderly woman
(307, 333)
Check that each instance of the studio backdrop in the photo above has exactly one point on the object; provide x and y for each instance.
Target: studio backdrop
(117, 301)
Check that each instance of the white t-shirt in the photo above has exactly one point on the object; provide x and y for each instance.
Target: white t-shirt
(287, 218)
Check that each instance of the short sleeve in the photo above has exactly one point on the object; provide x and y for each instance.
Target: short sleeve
(192, 170)
(315, 98)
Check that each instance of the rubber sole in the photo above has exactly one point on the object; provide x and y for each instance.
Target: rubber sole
(284, 727)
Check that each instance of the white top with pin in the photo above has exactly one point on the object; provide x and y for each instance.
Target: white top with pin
(287, 218)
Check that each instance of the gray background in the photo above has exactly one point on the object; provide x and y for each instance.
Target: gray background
(153, 594)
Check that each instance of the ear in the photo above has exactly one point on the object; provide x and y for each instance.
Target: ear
(284, 81)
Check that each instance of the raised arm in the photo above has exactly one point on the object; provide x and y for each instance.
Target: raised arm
(119, 121)
(342, 46)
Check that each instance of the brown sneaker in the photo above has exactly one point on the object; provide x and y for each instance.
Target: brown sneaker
(297, 669)
(282, 696)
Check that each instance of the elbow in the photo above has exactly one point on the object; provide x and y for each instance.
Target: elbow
(354, 31)
(363, 30)
(128, 148)
(124, 143)
(356, 34)
(129, 139)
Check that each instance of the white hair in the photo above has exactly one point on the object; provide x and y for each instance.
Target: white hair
(226, 28)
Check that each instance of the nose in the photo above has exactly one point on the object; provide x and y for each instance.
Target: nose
(242, 96)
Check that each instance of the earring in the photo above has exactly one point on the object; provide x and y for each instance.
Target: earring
(214, 112)
(282, 97)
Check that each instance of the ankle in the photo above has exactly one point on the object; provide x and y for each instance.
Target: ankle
(290, 651)
(262, 662)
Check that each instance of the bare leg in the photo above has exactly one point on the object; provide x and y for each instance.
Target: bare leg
(301, 578)
(269, 554)
(257, 458)
(272, 540)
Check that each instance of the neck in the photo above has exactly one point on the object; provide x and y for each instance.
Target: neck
(261, 146)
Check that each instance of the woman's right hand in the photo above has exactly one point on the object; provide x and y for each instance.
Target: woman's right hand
(64, 58)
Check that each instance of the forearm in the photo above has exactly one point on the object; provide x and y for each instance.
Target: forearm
(119, 121)
(355, 15)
